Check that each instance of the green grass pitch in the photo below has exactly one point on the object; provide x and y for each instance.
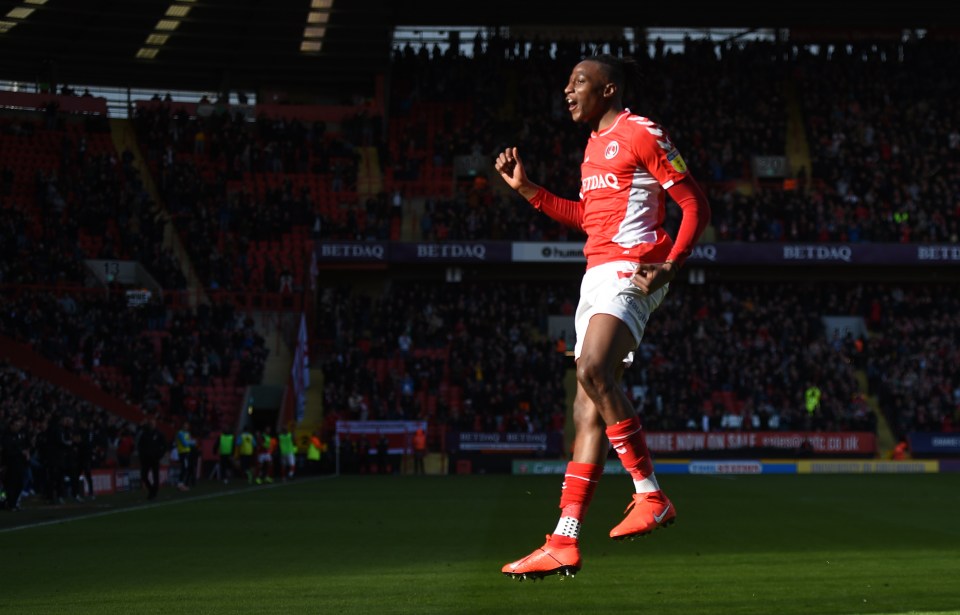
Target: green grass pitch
(770, 545)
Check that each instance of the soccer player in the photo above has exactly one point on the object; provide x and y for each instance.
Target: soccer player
(288, 453)
(419, 450)
(266, 445)
(629, 166)
(226, 445)
(185, 447)
(152, 446)
(246, 445)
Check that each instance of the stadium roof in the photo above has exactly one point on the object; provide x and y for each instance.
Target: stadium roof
(256, 44)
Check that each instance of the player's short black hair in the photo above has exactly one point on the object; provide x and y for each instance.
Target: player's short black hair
(623, 71)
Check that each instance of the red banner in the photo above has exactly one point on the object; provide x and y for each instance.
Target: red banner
(841, 442)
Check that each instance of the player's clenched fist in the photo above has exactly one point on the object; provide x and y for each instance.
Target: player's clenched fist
(510, 168)
(649, 277)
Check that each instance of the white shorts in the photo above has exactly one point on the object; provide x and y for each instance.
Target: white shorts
(606, 289)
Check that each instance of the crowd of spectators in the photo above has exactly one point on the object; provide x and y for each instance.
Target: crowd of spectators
(75, 198)
(879, 170)
(742, 355)
(157, 359)
(912, 360)
(495, 352)
(218, 177)
(885, 140)
(444, 105)
(70, 196)
(236, 146)
(725, 356)
(884, 156)
(64, 438)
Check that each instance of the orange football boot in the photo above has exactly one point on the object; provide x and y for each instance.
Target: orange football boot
(645, 513)
(548, 559)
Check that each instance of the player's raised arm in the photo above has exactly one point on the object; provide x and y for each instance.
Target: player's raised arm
(510, 168)
(565, 211)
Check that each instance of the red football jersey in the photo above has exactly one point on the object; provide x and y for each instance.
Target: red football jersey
(625, 173)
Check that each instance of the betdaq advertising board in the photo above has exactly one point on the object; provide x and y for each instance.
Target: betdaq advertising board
(672, 466)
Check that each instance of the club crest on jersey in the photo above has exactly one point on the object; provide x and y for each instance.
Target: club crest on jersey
(612, 150)
(677, 161)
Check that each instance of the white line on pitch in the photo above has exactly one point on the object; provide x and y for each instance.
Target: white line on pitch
(208, 496)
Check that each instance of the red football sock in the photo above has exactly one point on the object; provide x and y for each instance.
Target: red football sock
(627, 439)
(579, 483)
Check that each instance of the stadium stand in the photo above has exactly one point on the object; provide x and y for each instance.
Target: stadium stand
(871, 143)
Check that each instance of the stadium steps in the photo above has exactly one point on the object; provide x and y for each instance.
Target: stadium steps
(280, 360)
(885, 439)
(313, 406)
(413, 210)
(313, 413)
(279, 331)
(369, 177)
(124, 138)
(798, 149)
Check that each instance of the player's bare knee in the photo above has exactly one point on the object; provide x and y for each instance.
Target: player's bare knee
(595, 378)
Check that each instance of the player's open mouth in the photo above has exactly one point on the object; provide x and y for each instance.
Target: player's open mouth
(571, 104)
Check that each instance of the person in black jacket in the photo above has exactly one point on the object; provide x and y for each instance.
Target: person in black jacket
(69, 446)
(85, 438)
(14, 460)
(151, 446)
(53, 458)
